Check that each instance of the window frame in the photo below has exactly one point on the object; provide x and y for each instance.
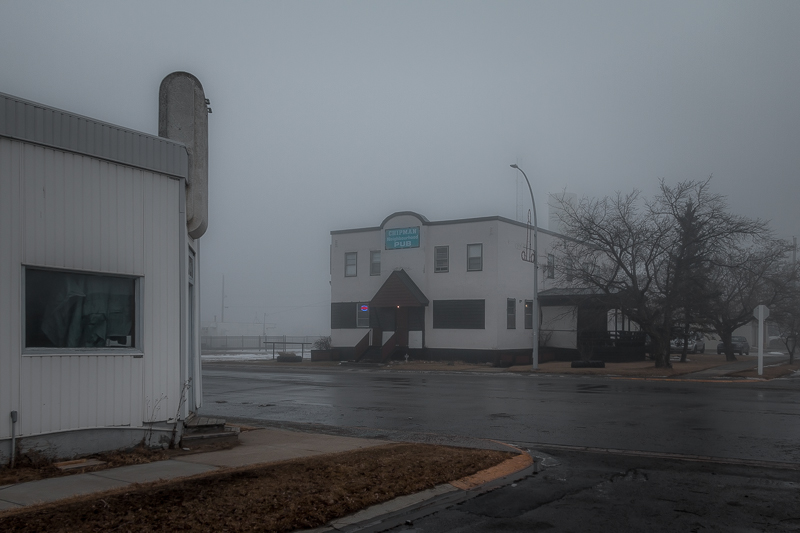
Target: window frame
(354, 255)
(480, 257)
(436, 268)
(528, 314)
(137, 338)
(511, 313)
(373, 263)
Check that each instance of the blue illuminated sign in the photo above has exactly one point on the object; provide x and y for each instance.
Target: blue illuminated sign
(399, 238)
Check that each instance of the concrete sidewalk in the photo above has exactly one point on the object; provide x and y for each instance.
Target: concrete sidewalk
(267, 445)
(736, 366)
(258, 446)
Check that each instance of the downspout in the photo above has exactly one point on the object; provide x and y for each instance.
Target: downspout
(13, 437)
(184, 280)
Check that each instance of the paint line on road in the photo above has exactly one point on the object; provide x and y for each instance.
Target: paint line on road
(678, 380)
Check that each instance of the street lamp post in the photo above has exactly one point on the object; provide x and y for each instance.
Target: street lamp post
(535, 325)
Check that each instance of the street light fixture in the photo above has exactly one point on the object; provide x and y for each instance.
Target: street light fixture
(535, 317)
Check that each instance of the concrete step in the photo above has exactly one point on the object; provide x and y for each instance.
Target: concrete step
(202, 424)
(228, 435)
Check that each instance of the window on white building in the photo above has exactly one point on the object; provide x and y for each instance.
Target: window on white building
(66, 309)
(551, 266)
(441, 256)
(528, 314)
(375, 263)
(362, 315)
(511, 313)
(459, 314)
(474, 257)
(350, 264)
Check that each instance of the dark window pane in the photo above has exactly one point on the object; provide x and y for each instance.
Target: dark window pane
(76, 310)
(343, 315)
(362, 315)
(459, 314)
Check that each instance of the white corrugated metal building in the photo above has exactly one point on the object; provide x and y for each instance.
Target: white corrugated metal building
(99, 336)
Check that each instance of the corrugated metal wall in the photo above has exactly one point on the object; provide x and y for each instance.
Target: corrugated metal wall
(29, 121)
(66, 210)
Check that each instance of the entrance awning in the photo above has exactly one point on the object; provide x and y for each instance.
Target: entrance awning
(399, 290)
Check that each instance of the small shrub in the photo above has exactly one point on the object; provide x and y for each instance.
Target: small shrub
(323, 343)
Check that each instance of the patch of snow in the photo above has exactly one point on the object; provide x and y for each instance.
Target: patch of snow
(222, 357)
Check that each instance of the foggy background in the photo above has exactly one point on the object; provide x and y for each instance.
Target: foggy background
(333, 115)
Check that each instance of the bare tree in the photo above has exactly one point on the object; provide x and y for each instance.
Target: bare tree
(647, 256)
(745, 276)
(786, 314)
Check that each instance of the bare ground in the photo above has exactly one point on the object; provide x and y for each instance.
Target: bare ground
(279, 497)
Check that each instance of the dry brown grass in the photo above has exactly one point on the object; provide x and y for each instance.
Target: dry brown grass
(285, 496)
(694, 363)
(644, 369)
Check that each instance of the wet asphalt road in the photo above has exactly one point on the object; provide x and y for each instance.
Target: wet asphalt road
(745, 420)
(587, 492)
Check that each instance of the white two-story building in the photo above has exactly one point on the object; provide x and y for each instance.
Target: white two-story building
(455, 289)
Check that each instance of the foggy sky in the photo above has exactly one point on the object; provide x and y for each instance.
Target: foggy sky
(333, 115)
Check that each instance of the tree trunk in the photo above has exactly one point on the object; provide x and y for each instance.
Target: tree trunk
(685, 341)
(685, 350)
(728, 347)
(662, 355)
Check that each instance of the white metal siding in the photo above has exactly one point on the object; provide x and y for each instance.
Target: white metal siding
(10, 248)
(38, 124)
(65, 210)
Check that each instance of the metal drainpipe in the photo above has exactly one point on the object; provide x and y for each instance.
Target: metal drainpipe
(13, 437)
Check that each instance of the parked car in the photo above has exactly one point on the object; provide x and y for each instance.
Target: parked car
(740, 345)
(697, 344)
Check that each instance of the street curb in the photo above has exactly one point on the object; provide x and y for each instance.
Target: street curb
(406, 509)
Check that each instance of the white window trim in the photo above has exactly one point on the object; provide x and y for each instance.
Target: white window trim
(355, 265)
(435, 265)
(508, 315)
(372, 262)
(481, 257)
(136, 352)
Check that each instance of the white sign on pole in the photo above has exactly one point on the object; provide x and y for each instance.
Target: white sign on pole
(761, 313)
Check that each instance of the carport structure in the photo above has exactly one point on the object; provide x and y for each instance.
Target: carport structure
(580, 323)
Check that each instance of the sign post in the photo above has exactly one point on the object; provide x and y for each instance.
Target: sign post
(761, 313)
